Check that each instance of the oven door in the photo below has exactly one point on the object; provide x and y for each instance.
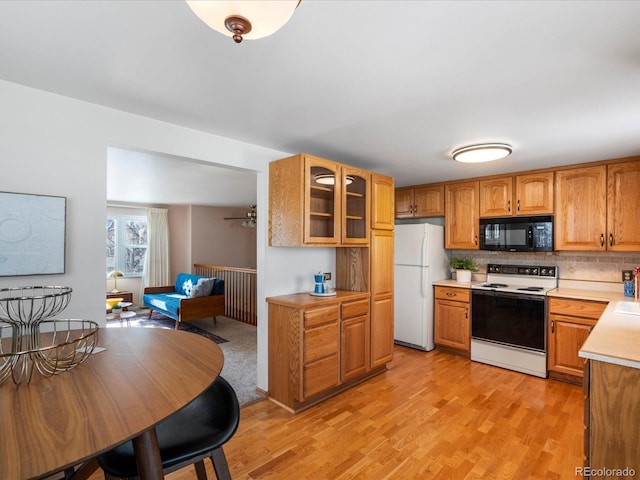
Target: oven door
(513, 319)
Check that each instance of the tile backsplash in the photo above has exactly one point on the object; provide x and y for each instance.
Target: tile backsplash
(586, 266)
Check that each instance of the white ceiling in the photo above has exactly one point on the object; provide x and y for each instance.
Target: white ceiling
(391, 86)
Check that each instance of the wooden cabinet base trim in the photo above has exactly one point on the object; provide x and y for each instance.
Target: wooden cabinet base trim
(565, 377)
(453, 351)
(314, 400)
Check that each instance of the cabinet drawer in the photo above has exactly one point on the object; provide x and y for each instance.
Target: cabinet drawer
(577, 308)
(355, 309)
(320, 316)
(321, 342)
(452, 293)
(321, 375)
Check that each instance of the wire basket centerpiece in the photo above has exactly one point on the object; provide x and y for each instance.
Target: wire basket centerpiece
(29, 339)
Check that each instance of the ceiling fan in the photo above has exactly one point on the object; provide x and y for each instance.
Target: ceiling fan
(249, 218)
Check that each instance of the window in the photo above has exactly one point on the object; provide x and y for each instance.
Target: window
(126, 244)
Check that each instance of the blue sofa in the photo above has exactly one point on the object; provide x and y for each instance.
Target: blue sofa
(192, 297)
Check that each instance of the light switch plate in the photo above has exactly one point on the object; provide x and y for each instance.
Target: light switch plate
(627, 275)
(327, 276)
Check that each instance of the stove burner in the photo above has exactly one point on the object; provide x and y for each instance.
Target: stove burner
(532, 289)
(495, 285)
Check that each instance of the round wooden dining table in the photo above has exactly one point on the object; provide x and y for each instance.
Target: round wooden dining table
(145, 374)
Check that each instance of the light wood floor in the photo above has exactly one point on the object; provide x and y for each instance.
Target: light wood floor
(431, 415)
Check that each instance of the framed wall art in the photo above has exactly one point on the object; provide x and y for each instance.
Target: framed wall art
(32, 234)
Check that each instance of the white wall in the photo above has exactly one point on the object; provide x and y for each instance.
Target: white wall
(55, 145)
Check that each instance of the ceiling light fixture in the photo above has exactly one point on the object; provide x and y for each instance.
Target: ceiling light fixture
(244, 19)
(484, 152)
(329, 179)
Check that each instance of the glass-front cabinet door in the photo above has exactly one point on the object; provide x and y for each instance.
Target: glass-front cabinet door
(322, 201)
(355, 206)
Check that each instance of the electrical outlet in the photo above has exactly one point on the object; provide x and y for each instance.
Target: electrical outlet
(627, 275)
(327, 276)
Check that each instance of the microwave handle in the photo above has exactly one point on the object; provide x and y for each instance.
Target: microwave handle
(530, 236)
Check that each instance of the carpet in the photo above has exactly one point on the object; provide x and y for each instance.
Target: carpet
(158, 320)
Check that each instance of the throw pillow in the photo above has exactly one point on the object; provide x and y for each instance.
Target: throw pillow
(203, 288)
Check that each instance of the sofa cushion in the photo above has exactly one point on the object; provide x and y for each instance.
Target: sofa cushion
(203, 288)
(165, 302)
(185, 283)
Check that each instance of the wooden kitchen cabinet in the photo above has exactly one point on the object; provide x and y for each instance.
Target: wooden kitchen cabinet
(452, 318)
(530, 194)
(381, 297)
(420, 202)
(355, 339)
(382, 202)
(318, 346)
(612, 409)
(597, 208)
(623, 200)
(356, 203)
(569, 323)
(317, 202)
(462, 215)
(581, 220)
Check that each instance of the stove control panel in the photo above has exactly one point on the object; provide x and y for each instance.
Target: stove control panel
(527, 270)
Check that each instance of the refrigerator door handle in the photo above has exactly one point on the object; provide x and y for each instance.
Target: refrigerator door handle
(423, 289)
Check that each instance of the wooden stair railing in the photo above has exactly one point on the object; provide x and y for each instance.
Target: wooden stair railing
(239, 290)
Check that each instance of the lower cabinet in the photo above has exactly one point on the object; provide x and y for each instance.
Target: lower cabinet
(452, 317)
(318, 346)
(612, 409)
(569, 324)
(355, 339)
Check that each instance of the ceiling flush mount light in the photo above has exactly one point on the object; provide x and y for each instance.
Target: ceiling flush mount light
(484, 152)
(329, 179)
(244, 19)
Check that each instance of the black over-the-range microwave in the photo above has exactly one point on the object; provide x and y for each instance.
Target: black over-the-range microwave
(517, 234)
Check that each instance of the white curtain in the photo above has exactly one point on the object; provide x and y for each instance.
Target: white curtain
(156, 266)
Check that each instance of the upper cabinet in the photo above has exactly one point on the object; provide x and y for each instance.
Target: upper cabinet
(623, 199)
(355, 206)
(530, 194)
(419, 202)
(597, 208)
(462, 215)
(581, 221)
(382, 202)
(318, 202)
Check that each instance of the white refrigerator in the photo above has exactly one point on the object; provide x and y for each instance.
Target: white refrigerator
(419, 260)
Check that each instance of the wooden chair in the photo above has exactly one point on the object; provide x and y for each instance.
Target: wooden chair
(187, 437)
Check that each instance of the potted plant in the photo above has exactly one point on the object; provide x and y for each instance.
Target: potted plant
(463, 267)
(116, 309)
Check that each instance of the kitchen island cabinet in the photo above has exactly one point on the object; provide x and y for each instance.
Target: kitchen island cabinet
(612, 393)
(318, 346)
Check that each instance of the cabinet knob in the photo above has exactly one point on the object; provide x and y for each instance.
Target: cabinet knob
(602, 239)
(451, 294)
(518, 204)
(466, 312)
(611, 239)
(553, 324)
(509, 205)
(475, 240)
